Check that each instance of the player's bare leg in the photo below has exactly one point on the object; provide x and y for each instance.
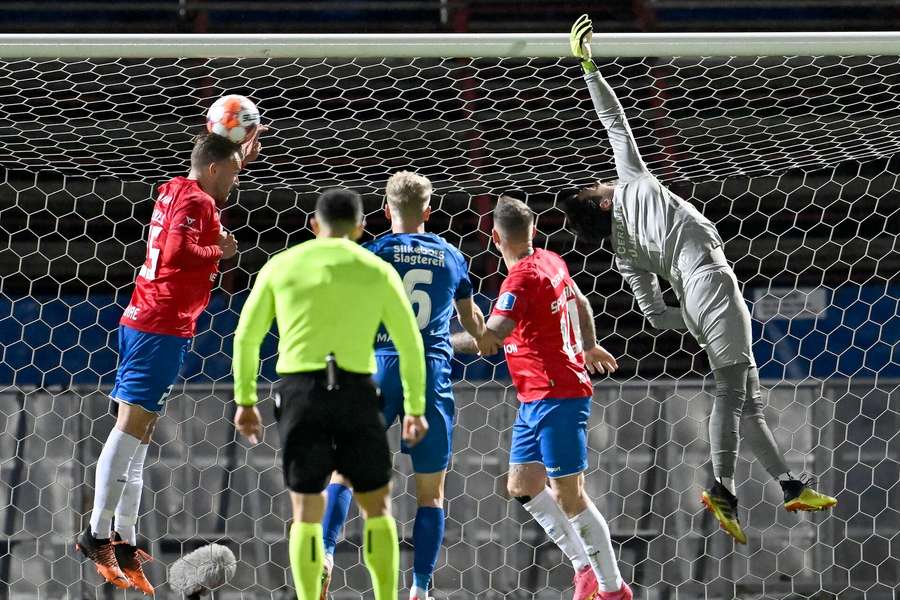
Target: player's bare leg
(376, 503)
(305, 545)
(127, 440)
(428, 526)
(593, 533)
(381, 551)
(527, 483)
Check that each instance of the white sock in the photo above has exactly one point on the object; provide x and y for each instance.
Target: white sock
(591, 528)
(417, 592)
(728, 482)
(112, 474)
(547, 512)
(130, 503)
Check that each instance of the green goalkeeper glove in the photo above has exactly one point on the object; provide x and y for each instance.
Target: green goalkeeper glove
(580, 42)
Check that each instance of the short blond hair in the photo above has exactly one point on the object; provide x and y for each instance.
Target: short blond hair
(408, 193)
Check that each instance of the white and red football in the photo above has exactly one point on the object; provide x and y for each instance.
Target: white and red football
(233, 117)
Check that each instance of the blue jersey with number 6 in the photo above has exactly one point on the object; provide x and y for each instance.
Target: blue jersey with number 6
(435, 274)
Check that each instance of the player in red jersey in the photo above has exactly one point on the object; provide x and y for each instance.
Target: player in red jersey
(539, 319)
(184, 247)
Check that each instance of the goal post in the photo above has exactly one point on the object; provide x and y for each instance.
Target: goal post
(446, 45)
(788, 142)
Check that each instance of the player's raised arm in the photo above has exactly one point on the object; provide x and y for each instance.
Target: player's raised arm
(629, 164)
(253, 325)
(646, 290)
(252, 147)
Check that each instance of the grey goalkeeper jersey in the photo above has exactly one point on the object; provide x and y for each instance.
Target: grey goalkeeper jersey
(655, 233)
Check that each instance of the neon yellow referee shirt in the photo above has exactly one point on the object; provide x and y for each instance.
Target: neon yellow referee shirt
(328, 295)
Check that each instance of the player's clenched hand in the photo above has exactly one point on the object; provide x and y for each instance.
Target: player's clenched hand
(414, 429)
(580, 38)
(598, 360)
(252, 147)
(248, 422)
(228, 244)
(488, 344)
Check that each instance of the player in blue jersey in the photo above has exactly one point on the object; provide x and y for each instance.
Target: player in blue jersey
(436, 278)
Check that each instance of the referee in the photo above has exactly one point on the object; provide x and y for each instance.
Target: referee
(328, 297)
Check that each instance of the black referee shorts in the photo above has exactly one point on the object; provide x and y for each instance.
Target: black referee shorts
(340, 430)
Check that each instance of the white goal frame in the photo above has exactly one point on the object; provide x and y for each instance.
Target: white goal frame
(809, 404)
(454, 45)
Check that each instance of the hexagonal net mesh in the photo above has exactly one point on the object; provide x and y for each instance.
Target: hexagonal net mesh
(793, 159)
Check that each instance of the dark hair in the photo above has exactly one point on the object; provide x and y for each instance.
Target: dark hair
(211, 148)
(512, 218)
(339, 206)
(584, 217)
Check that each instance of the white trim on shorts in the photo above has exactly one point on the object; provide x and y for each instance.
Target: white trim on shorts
(549, 476)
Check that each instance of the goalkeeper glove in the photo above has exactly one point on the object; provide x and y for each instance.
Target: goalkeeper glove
(580, 42)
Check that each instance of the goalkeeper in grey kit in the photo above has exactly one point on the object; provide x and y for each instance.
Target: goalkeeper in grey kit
(657, 234)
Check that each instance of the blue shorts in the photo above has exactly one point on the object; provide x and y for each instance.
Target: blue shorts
(432, 454)
(149, 364)
(553, 433)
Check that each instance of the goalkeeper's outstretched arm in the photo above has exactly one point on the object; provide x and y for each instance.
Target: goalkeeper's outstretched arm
(629, 164)
(646, 290)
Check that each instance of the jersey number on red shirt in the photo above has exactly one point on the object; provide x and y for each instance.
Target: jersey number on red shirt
(148, 269)
(570, 327)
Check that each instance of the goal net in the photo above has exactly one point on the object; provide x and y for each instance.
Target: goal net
(793, 154)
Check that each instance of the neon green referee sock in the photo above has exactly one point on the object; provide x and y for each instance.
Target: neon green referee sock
(307, 552)
(381, 553)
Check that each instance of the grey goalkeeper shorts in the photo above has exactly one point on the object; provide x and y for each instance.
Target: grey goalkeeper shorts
(716, 315)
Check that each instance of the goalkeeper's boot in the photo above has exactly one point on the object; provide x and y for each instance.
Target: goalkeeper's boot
(798, 495)
(102, 554)
(723, 505)
(624, 593)
(586, 586)
(130, 559)
(327, 566)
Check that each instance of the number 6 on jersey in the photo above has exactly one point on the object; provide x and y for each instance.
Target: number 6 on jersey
(420, 299)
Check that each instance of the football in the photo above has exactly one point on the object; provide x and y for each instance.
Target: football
(233, 117)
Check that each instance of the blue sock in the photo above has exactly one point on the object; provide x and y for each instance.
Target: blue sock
(428, 535)
(336, 510)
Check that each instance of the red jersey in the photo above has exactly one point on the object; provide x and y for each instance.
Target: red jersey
(174, 284)
(544, 350)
